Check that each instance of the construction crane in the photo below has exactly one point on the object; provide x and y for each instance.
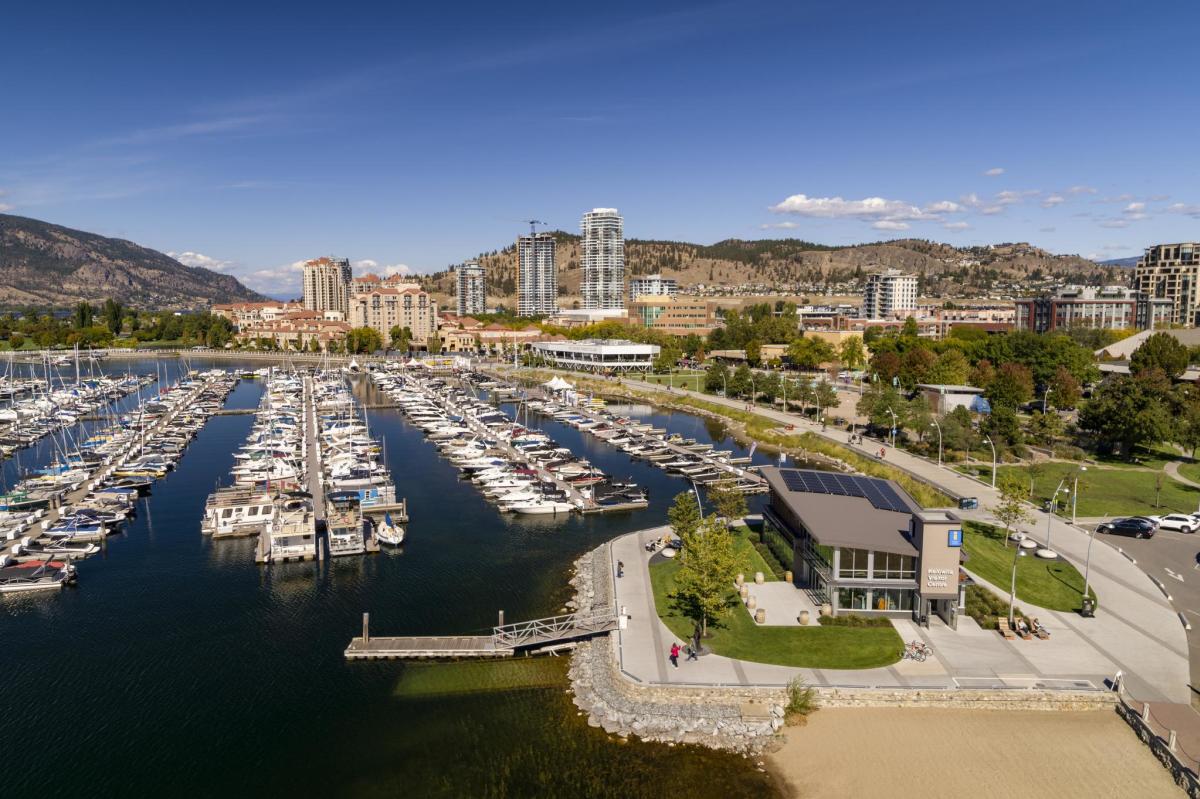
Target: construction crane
(532, 225)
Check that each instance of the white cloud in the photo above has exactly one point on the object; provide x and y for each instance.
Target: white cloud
(278, 280)
(995, 171)
(956, 225)
(369, 265)
(889, 224)
(1013, 197)
(779, 226)
(838, 208)
(1080, 190)
(943, 207)
(199, 259)
(398, 269)
(1188, 210)
(991, 210)
(1135, 208)
(1115, 223)
(1053, 200)
(5, 207)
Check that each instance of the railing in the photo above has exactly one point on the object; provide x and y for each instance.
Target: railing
(540, 631)
(1163, 743)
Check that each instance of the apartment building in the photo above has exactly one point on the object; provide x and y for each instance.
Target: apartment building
(1172, 272)
(678, 316)
(1105, 307)
(240, 314)
(537, 275)
(652, 286)
(889, 295)
(400, 305)
(603, 261)
(327, 285)
(470, 288)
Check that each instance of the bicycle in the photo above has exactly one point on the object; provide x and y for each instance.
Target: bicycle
(916, 650)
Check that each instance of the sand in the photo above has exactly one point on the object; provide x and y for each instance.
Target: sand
(933, 753)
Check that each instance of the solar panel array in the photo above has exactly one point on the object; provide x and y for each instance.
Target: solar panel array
(878, 492)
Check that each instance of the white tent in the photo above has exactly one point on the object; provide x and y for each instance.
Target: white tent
(557, 384)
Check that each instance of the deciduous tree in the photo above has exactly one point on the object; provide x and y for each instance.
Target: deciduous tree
(704, 582)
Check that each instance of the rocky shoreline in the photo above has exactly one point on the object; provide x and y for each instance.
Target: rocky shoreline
(745, 721)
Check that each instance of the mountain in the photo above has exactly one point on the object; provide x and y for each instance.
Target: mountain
(795, 266)
(50, 265)
(1124, 263)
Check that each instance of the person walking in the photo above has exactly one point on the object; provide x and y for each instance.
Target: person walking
(674, 656)
(620, 568)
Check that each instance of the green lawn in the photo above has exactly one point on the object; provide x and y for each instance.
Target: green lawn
(1107, 491)
(1191, 471)
(1054, 585)
(693, 381)
(737, 636)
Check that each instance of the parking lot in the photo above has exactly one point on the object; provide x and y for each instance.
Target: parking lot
(1172, 558)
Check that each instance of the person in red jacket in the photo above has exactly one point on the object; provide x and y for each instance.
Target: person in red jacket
(674, 657)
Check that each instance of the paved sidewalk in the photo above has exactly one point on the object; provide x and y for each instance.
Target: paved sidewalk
(1136, 629)
(1172, 469)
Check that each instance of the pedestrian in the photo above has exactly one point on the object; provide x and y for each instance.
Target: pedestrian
(674, 657)
(691, 653)
(620, 568)
(882, 452)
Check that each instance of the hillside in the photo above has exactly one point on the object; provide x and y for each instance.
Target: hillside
(794, 266)
(49, 265)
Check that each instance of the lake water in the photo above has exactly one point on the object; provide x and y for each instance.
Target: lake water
(178, 667)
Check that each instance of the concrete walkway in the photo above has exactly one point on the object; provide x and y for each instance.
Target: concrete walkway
(1172, 469)
(1135, 630)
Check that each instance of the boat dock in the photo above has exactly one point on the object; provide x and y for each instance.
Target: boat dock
(506, 640)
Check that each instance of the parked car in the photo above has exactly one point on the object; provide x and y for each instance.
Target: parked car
(1134, 526)
(1179, 522)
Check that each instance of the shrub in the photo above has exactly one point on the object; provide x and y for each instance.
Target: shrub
(987, 609)
(802, 701)
(855, 620)
(1069, 452)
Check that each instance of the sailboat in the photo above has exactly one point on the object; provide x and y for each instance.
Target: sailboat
(390, 533)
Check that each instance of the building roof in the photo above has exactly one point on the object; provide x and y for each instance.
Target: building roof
(368, 278)
(1124, 349)
(842, 519)
(950, 389)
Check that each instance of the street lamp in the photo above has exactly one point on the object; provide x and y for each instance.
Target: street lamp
(696, 492)
(939, 429)
(1075, 497)
(1019, 551)
(724, 387)
(893, 413)
(1087, 570)
(988, 439)
(1053, 501)
(753, 390)
(1044, 397)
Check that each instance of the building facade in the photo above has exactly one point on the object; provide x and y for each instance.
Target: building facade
(652, 286)
(1172, 272)
(889, 295)
(864, 545)
(327, 285)
(678, 316)
(399, 306)
(1107, 307)
(537, 275)
(470, 288)
(594, 355)
(603, 259)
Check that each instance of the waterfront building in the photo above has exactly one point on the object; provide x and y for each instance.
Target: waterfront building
(652, 286)
(678, 316)
(603, 259)
(470, 288)
(1172, 272)
(396, 305)
(1106, 307)
(890, 294)
(864, 545)
(327, 285)
(250, 313)
(537, 275)
(596, 355)
(297, 330)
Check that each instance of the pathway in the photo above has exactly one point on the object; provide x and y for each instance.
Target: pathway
(1172, 469)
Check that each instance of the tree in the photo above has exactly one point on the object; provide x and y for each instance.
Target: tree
(1010, 510)
(740, 384)
(716, 377)
(1011, 387)
(809, 353)
(1162, 351)
(401, 338)
(667, 358)
(1045, 427)
(113, 315)
(1128, 411)
(983, 374)
(220, 332)
(950, 369)
(83, 315)
(876, 404)
(16, 340)
(852, 354)
(727, 501)
(1002, 425)
(915, 366)
(769, 386)
(684, 514)
(885, 365)
(754, 352)
(707, 565)
(1064, 389)
(434, 343)
(363, 340)
(825, 394)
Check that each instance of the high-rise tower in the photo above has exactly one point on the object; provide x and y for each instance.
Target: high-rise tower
(603, 247)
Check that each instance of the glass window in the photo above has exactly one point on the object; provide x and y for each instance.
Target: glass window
(892, 599)
(890, 566)
(853, 564)
(852, 598)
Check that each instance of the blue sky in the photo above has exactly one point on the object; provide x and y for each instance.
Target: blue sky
(414, 137)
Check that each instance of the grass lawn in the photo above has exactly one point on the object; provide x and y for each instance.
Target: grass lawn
(1053, 585)
(737, 636)
(1191, 471)
(1108, 492)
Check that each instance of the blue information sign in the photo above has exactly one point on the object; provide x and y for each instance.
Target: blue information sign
(955, 538)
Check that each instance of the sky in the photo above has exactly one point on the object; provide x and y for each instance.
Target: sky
(411, 137)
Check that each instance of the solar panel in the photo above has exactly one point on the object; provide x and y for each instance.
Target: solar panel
(878, 492)
(830, 483)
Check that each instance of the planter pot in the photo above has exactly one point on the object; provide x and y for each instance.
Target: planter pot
(741, 578)
(758, 578)
(826, 609)
(788, 576)
(744, 591)
(803, 618)
(760, 616)
(751, 602)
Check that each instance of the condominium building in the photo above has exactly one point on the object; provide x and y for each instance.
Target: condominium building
(537, 275)
(327, 285)
(401, 305)
(652, 286)
(889, 295)
(1105, 307)
(1172, 271)
(603, 248)
(470, 288)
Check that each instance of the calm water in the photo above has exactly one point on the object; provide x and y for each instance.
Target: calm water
(179, 667)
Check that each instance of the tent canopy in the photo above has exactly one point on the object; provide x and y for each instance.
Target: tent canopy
(557, 384)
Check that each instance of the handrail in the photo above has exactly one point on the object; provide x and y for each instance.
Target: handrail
(552, 628)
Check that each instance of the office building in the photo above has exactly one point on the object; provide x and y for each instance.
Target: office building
(864, 545)
(398, 305)
(537, 275)
(889, 295)
(678, 316)
(1172, 272)
(652, 286)
(1106, 307)
(327, 285)
(470, 289)
(603, 262)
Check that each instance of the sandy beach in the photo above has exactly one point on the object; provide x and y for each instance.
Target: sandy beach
(934, 753)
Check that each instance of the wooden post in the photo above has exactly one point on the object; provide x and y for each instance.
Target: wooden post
(1171, 741)
(500, 623)
(1146, 711)
(366, 628)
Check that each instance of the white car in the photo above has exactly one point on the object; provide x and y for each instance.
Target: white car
(1178, 522)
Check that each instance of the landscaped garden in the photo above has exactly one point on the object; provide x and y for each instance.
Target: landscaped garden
(1050, 584)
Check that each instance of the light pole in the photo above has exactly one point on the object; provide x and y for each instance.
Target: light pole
(988, 439)
(1044, 397)
(939, 429)
(893, 413)
(1050, 515)
(753, 390)
(696, 492)
(1075, 498)
(724, 387)
(1018, 552)
(1087, 567)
